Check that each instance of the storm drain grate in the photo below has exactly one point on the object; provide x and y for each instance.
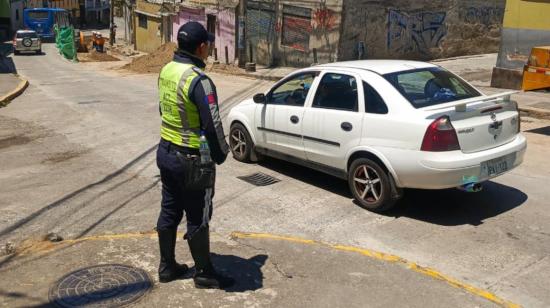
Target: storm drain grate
(259, 179)
(110, 285)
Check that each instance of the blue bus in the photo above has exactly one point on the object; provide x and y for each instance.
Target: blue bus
(42, 20)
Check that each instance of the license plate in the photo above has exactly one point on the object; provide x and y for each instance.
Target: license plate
(497, 166)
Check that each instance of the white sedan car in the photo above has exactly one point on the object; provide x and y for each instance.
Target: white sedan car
(383, 125)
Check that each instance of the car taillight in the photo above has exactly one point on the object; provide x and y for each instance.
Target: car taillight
(440, 136)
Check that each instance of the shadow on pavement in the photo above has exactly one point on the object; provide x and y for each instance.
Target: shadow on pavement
(246, 272)
(72, 195)
(449, 207)
(452, 207)
(309, 176)
(541, 131)
(19, 295)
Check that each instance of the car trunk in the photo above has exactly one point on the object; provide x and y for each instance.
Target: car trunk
(481, 123)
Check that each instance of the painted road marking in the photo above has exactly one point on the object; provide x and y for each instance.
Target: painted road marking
(46, 246)
(387, 258)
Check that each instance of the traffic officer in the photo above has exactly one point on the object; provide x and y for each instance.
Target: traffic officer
(189, 108)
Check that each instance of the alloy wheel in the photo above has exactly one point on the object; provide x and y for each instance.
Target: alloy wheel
(238, 142)
(367, 183)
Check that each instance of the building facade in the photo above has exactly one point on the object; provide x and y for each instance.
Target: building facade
(152, 24)
(291, 33)
(218, 17)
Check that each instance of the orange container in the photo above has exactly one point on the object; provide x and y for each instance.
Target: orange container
(536, 74)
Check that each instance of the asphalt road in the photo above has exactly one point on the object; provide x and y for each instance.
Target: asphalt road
(77, 158)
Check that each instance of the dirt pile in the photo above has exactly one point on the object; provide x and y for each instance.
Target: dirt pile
(153, 62)
(94, 56)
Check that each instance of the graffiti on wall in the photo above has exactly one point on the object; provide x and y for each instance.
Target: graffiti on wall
(323, 23)
(324, 19)
(482, 15)
(296, 27)
(415, 33)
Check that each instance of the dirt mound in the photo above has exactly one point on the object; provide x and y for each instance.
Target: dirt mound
(153, 62)
(94, 56)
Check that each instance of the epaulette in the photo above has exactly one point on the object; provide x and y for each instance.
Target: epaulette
(199, 71)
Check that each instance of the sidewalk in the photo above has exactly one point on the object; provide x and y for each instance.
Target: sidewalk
(270, 271)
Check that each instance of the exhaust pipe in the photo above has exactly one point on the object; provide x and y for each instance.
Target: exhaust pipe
(471, 187)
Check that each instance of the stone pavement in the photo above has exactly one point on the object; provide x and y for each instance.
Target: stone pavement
(270, 271)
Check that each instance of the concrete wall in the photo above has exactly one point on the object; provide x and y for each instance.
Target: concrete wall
(420, 29)
(526, 25)
(148, 39)
(289, 33)
(224, 28)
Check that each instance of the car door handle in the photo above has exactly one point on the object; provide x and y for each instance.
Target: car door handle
(346, 126)
(294, 119)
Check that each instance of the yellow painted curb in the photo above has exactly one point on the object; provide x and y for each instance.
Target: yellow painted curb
(6, 99)
(388, 258)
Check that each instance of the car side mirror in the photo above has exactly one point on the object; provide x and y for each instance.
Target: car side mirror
(260, 98)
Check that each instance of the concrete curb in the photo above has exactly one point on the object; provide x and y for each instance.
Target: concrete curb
(259, 77)
(6, 99)
(536, 113)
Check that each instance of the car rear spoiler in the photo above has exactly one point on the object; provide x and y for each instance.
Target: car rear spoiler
(460, 106)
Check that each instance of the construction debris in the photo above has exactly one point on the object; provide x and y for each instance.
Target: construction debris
(153, 62)
(94, 56)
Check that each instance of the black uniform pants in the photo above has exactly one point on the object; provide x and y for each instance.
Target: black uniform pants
(175, 199)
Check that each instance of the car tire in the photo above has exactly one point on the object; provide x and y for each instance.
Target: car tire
(240, 143)
(378, 196)
(39, 52)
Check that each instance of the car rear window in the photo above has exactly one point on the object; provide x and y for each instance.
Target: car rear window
(431, 86)
(27, 34)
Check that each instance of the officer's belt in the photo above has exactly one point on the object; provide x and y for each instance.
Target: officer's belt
(184, 150)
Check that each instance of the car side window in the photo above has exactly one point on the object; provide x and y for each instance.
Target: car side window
(373, 101)
(293, 92)
(337, 91)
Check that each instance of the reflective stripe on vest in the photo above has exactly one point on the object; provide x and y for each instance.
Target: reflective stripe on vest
(180, 116)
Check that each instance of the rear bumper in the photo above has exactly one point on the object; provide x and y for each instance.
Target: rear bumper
(32, 48)
(426, 170)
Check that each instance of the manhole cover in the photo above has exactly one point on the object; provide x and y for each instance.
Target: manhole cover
(259, 179)
(110, 285)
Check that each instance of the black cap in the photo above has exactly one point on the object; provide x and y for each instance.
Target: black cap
(193, 34)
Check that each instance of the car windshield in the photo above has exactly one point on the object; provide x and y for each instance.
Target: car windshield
(431, 86)
(27, 34)
(38, 14)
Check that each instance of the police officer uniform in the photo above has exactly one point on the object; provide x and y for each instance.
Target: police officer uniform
(188, 107)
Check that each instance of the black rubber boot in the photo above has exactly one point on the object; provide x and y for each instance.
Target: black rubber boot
(169, 269)
(206, 276)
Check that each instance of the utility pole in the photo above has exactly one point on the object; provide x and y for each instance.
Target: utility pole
(112, 24)
(242, 33)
